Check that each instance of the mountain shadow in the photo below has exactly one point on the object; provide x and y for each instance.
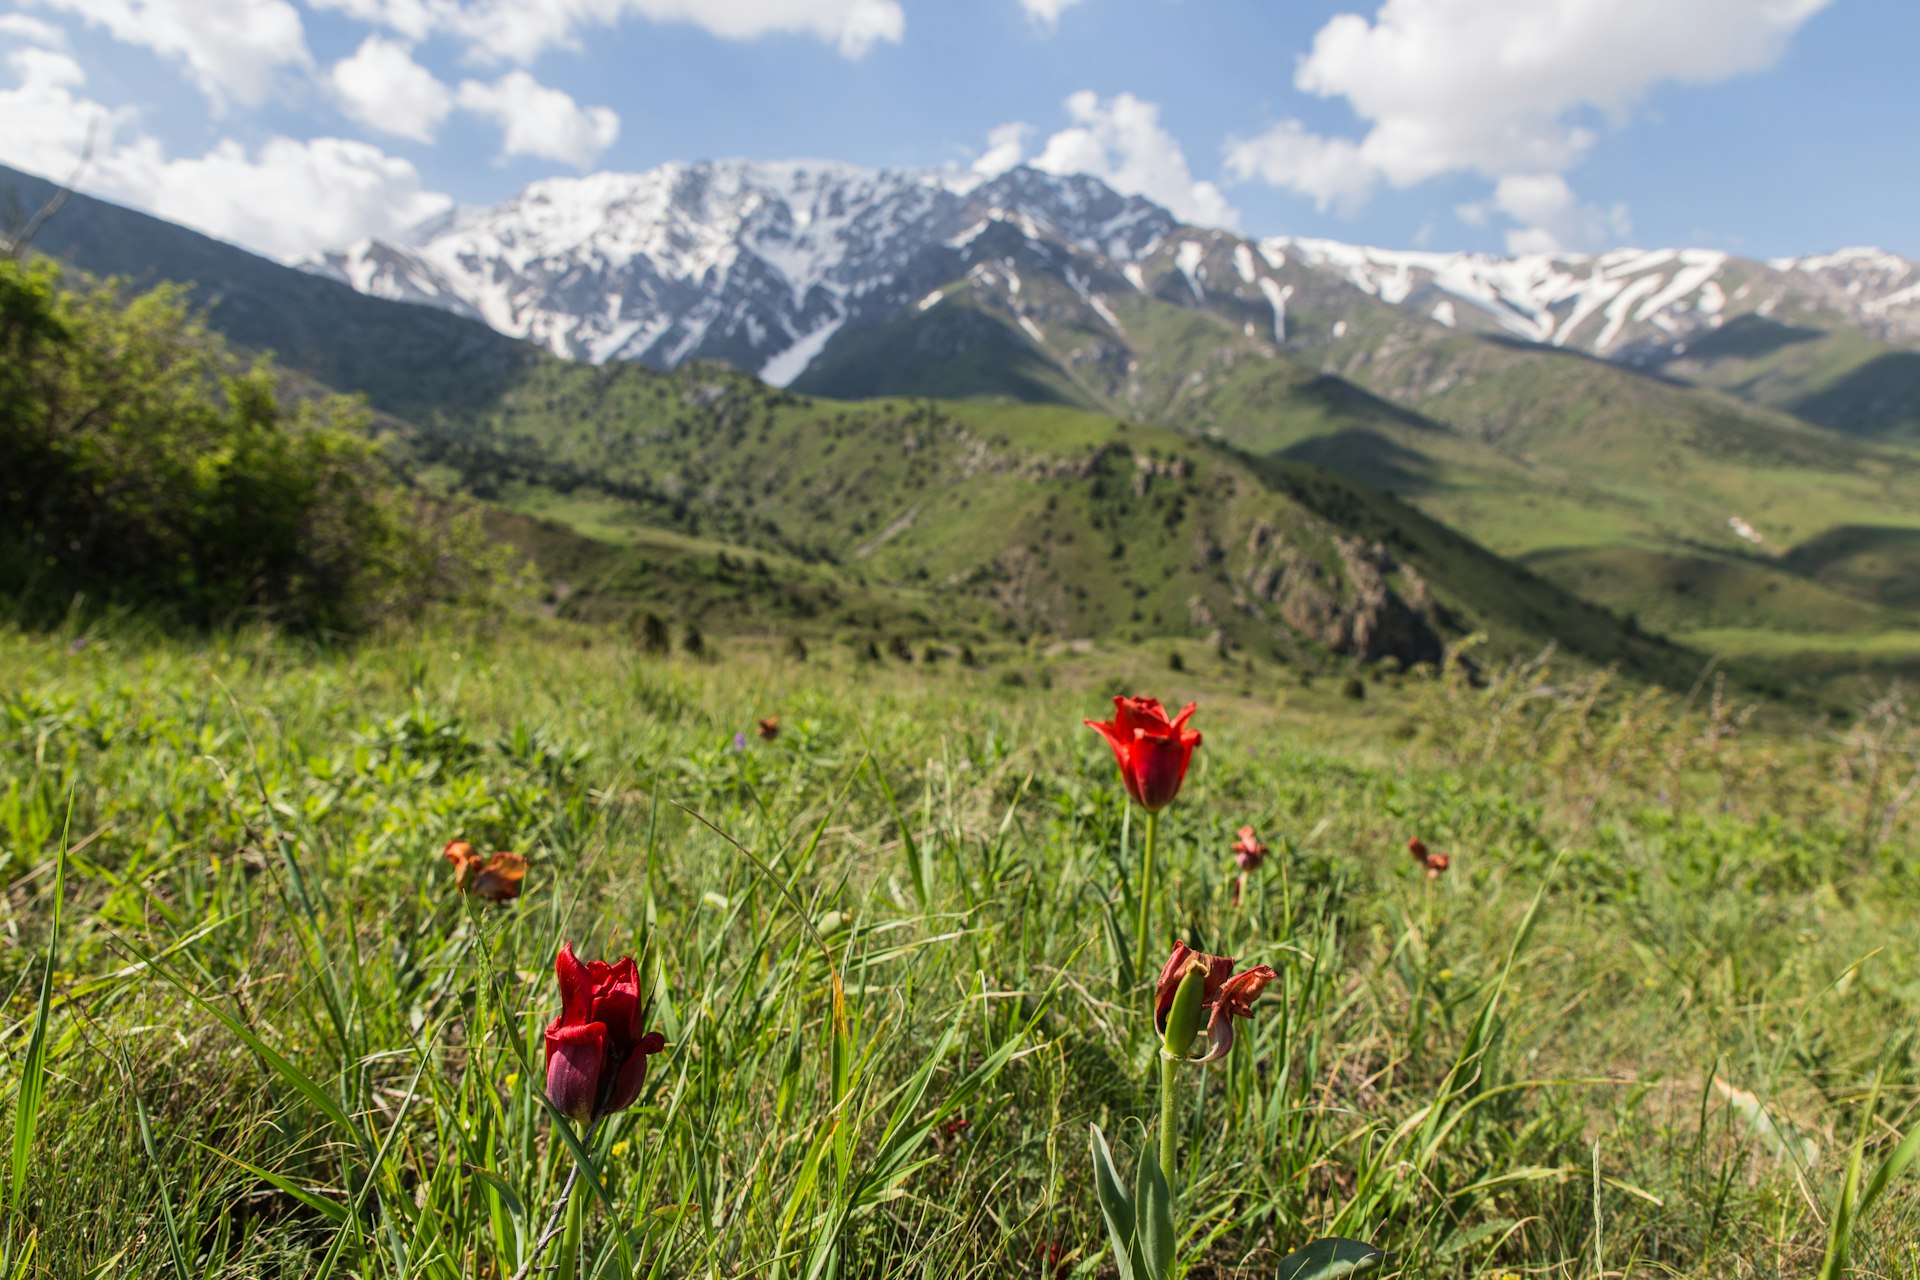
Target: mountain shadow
(1880, 398)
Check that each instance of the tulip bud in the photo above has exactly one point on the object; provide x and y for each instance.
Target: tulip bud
(1187, 1013)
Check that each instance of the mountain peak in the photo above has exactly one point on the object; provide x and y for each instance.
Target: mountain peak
(763, 262)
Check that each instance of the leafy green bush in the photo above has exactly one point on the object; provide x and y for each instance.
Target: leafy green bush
(144, 465)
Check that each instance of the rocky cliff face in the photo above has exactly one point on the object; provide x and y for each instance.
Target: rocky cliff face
(1365, 604)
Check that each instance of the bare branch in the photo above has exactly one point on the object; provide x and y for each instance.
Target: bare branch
(16, 246)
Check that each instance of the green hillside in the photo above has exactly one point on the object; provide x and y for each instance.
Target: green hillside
(953, 350)
(1015, 513)
(732, 505)
(1627, 489)
(1814, 367)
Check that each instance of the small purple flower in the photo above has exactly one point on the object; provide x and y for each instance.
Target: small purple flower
(740, 740)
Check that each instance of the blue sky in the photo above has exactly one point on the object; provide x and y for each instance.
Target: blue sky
(1767, 127)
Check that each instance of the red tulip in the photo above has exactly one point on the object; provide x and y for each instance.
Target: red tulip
(1153, 751)
(596, 1049)
(1225, 994)
(1248, 851)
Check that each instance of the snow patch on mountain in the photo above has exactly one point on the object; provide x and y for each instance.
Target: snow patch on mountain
(1277, 299)
(793, 361)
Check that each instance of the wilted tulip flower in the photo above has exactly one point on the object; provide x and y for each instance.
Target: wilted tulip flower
(768, 728)
(1193, 984)
(1248, 851)
(1435, 863)
(596, 1049)
(494, 879)
(1153, 751)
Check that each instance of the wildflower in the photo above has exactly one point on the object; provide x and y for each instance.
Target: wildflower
(1194, 983)
(768, 728)
(740, 740)
(1153, 752)
(1434, 862)
(494, 879)
(596, 1049)
(950, 1134)
(1053, 1260)
(1248, 851)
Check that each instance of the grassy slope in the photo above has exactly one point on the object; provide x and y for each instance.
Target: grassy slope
(1020, 509)
(1698, 991)
(1617, 486)
(1814, 366)
(952, 350)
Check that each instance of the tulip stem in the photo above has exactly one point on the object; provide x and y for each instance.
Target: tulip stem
(1169, 1116)
(1141, 959)
(560, 1221)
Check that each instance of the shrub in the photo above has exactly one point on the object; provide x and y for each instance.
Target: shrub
(1353, 687)
(142, 463)
(796, 648)
(653, 634)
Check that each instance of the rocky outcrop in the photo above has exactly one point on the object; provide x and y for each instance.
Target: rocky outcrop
(1353, 608)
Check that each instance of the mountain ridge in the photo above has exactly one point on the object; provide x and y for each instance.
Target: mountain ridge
(691, 260)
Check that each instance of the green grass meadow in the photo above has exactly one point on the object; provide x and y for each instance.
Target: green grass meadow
(1665, 992)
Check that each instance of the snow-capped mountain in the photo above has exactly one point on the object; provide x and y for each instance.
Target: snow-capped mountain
(1626, 303)
(763, 264)
(759, 264)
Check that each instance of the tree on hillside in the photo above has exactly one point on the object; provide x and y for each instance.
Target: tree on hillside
(140, 462)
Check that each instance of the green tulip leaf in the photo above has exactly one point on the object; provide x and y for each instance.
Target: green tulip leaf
(1153, 1209)
(1115, 1206)
(1330, 1258)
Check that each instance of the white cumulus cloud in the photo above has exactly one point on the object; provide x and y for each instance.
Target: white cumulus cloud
(286, 198)
(1503, 88)
(1121, 141)
(1552, 219)
(18, 26)
(231, 48)
(1330, 170)
(541, 121)
(1046, 13)
(382, 87)
(48, 122)
(518, 31)
(1006, 147)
